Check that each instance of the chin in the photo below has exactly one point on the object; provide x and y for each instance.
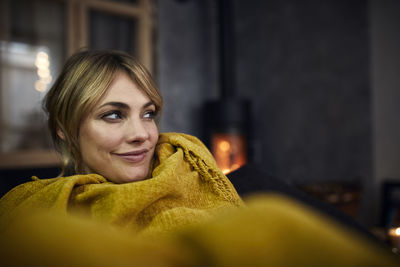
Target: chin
(134, 177)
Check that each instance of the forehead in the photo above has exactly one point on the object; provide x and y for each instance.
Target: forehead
(124, 89)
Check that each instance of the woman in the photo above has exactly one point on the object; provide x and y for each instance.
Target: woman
(117, 169)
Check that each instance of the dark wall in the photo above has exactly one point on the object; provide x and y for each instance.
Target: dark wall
(186, 62)
(385, 77)
(305, 67)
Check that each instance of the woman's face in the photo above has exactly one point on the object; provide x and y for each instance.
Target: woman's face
(117, 138)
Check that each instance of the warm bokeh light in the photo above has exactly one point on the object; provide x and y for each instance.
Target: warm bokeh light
(394, 232)
(229, 151)
(397, 231)
(42, 60)
(394, 237)
(40, 86)
(43, 71)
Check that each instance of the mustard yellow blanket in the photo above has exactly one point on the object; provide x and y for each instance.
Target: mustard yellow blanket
(186, 187)
(65, 221)
(270, 231)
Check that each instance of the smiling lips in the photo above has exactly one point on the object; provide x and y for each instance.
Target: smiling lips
(134, 156)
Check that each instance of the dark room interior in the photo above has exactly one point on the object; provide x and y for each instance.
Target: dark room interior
(320, 80)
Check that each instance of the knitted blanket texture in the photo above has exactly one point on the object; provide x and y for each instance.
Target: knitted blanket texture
(172, 219)
(186, 187)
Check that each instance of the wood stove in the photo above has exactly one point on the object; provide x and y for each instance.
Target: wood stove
(227, 120)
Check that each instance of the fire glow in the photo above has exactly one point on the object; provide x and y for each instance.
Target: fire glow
(229, 151)
(395, 232)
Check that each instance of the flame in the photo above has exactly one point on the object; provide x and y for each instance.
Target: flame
(226, 171)
(229, 151)
(224, 146)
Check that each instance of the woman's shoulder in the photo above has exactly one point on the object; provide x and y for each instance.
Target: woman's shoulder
(20, 193)
(38, 186)
(35, 185)
(28, 188)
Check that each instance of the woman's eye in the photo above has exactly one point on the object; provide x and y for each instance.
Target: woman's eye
(114, 115)
(149, 115)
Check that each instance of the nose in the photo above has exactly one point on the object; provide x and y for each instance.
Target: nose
(136, 131)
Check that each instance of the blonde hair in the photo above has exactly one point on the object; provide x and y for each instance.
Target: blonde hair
(83, 81)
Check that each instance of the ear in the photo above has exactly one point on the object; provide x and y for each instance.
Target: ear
(60, 134)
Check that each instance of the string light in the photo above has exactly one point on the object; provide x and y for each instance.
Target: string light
(43, 71)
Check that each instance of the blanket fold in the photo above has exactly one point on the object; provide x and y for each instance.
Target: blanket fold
(185, 187)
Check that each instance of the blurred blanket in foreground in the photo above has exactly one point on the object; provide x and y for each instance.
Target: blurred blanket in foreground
(270, 231)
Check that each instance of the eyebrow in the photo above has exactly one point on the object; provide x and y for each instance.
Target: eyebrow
(124, 106)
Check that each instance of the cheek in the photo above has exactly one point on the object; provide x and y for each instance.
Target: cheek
(107, 141)
(97, 137)
(153, 132)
